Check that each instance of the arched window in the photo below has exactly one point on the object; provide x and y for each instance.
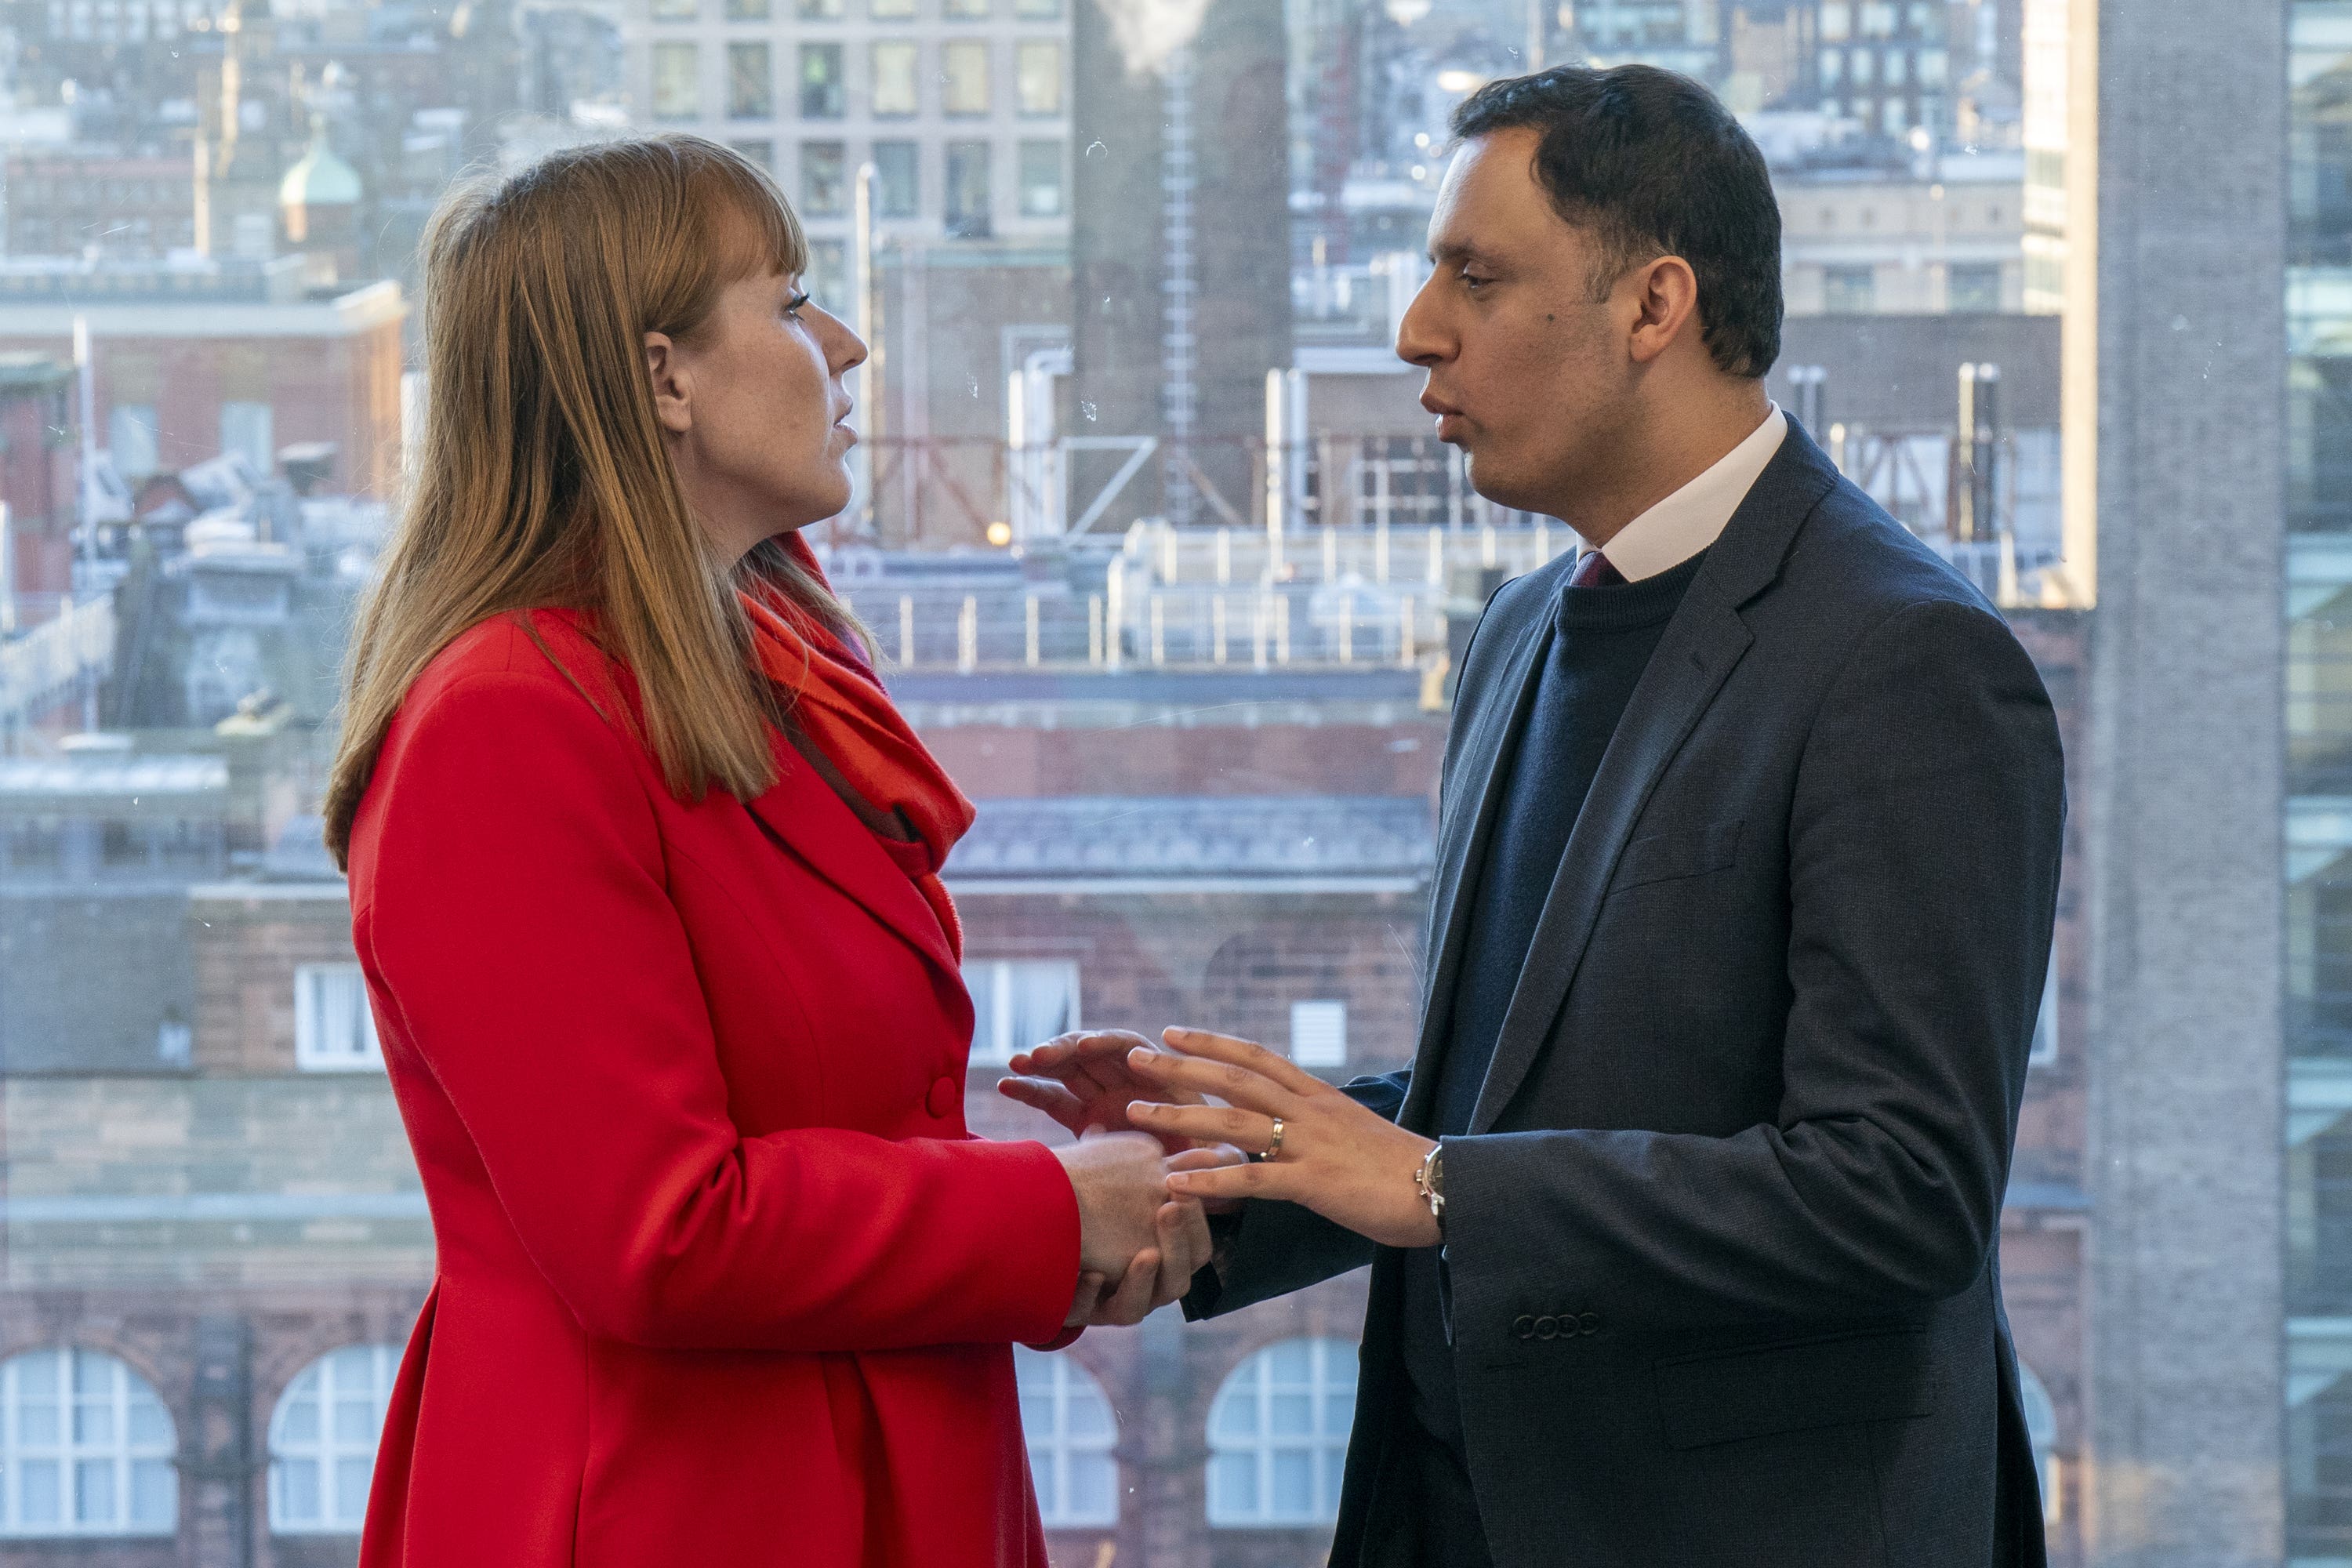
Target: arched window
(1278, 1436)
(1071, 1433)
(86, 1448)
(322, 1439)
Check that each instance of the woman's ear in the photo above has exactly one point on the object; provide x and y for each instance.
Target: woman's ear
(673, 388)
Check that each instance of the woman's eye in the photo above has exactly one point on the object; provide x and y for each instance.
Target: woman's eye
(792, 306)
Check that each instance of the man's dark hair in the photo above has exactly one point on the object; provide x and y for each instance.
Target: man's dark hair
(1651, 164)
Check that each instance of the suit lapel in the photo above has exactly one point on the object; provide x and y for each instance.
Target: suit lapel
(1462, 842)
(1695, 654)
(803, 816)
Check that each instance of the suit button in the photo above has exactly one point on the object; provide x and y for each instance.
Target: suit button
(1589, 1323)
(1546, 1328)
(1524, 1326)
(945, 1094)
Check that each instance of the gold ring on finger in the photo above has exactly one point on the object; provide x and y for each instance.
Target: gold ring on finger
(1274, 1150)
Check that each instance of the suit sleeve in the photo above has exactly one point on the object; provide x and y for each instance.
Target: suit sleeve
(520, 932)
(1271, 1249)
(1924, 850)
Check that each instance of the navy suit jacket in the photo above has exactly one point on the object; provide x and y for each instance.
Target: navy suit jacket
(1722, 1243)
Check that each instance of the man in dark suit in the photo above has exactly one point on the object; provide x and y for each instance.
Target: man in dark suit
(1683, 1225)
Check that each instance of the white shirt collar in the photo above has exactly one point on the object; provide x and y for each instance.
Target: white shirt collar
(1695, 516)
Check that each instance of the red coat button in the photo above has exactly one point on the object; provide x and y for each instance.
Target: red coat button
(941, 1102)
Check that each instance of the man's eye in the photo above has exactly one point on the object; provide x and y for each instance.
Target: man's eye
(1473, 282)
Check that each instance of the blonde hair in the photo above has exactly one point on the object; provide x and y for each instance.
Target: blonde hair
(543, 478)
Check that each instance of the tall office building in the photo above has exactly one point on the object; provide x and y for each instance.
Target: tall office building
(2319, 787)
(961, 106)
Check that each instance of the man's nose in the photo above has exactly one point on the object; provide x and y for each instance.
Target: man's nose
(1418, 342)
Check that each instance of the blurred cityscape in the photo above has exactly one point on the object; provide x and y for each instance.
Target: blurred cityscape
(1162, 560)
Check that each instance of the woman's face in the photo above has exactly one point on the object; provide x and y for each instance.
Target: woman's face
(752, 407)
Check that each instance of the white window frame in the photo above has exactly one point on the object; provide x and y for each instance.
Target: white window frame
(1250, 1390)
(316, 1385)
(995, 1028)
(1318, 1033)
(125, 1392)
(1060, 1386)
(313, 987)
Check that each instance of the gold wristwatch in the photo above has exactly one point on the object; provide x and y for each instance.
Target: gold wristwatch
(1429, 1181)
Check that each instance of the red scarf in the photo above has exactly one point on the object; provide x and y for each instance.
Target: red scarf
(841, 707)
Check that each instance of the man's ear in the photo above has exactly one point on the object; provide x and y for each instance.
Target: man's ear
(673, 388)
(1665, 298)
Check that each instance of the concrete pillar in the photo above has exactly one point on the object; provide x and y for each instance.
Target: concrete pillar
(218, 1497)
(2181, 793)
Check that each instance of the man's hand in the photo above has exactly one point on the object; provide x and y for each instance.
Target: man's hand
(1162, 1273)
(1083, 1081)
(1351, 1166)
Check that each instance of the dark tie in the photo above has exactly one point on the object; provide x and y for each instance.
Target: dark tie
(1593, 570)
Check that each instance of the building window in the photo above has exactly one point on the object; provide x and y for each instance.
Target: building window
(1038, 10)
(131, 438)
(1833, 66)
(244, 430)
(1865, 67)
(86, 1448)
(1037, 75)
(747, 10)
(965, 10)
(1319, 1033)
(1017, 1002)
(334, 1031)
(751, 82)
(821, 10)
(761, 152)
(675, 10)
(821, 89)
(1849, 291)
(898, 180)
(1897, 66)
(1837, 18)
(322, 1440)
(1071, 1434)
(675, 93)
(1041, 179)
(963, 91)
(824, 178)
(1974, 285)
(889, 10)
(1278, 1436)
(1894, 116)
(967, 203)
(897, 93)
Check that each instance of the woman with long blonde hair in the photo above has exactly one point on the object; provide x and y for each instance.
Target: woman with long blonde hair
(644, 874)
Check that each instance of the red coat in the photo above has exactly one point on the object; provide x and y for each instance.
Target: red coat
(722, 1279)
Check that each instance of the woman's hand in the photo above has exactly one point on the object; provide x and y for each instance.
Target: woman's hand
(1083, 1081)
(1163, 1272)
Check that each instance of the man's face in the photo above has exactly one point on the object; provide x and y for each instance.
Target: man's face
(1528, 374)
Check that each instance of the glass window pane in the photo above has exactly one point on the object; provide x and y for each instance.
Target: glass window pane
(965, 69)
(37, 1376)
(821, 10)
(93, 1421)
(1038, 10)
(298, 1419)
(351, 1488)
(676, 94)
(897, 194)
(93, 1375)
(747, 10)
(38, 1477)
(1294, 1484)
(150, 1423)
(675, 10)
(1233, 1487)
(821, 83)
(1290, 1415)
(824, 178)
(155, 1494)
(889, 10)
(751, 82)
(968, 215)
(356, 1420)
(298, 1491)
(1037, 75)
(963, 10)
(94, 1491)
(761, 152)
(896, 91)
(36, 1424)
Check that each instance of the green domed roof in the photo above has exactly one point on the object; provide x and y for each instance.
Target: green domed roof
(319, 178)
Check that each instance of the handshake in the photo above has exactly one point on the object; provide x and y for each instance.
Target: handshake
(1139, 1244)
(1277, 1131)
